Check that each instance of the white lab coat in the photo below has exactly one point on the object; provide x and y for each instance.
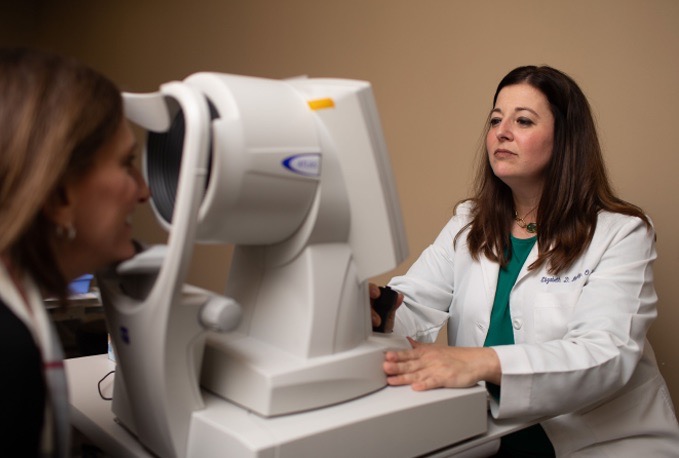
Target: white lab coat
(581, 355)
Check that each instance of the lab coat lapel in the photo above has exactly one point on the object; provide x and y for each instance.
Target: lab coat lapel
(532, 257)
(490, 271)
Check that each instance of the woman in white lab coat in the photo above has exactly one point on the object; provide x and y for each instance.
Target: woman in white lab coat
(68, 186)
(544, 279)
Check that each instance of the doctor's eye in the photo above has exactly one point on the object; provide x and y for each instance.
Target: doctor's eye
(495, 121)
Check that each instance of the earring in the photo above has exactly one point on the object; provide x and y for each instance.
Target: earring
(67, 232)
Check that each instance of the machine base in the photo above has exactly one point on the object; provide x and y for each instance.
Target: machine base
(392, 422)
(270, 382)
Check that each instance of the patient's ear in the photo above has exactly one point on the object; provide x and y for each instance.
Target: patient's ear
(60, 206)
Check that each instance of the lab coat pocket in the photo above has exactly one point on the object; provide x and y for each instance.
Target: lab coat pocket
(552, 312)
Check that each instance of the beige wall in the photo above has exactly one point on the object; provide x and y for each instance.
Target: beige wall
(434, 65)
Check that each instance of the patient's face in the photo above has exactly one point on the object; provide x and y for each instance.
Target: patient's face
(103, 201)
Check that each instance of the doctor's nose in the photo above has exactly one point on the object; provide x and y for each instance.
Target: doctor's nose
(503, 132)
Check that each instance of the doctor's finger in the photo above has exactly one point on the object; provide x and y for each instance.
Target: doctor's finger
(374, 291)
(395, 368)
(375, 318)
(419, 381)
(401, 355)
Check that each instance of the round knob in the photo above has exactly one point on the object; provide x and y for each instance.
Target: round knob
(220, 314)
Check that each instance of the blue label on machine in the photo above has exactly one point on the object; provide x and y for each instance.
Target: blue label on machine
(124, 334)
(308, 164)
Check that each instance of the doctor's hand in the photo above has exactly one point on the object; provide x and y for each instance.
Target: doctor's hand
(429, 366)
(375, 293)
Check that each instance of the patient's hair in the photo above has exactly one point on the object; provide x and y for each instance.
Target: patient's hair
(55, 113)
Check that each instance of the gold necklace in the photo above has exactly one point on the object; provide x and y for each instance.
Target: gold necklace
(529, 227)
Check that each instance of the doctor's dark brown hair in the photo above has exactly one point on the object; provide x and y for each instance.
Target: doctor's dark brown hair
(576, 183)
(55, 113)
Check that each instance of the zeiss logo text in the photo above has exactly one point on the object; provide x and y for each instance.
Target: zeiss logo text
(304, 164)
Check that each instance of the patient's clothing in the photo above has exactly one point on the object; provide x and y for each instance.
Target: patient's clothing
(34, 417)
(22, 387)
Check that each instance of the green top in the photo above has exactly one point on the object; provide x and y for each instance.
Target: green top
(500, 331)
(531, 441)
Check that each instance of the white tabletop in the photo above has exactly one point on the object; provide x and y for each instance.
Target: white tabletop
(91, 414)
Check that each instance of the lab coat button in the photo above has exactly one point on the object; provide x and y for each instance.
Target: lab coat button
(517, 323)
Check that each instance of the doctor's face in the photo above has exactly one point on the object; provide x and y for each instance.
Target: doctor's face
(520, 137)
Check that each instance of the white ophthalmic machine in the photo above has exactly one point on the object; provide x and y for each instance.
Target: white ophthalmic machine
(295, 174)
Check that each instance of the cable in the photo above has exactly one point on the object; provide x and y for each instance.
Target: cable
(105, 398)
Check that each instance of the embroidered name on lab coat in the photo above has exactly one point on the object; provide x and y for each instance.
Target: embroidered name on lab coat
(566, 279)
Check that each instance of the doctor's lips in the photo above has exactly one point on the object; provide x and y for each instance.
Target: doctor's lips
(503, 152)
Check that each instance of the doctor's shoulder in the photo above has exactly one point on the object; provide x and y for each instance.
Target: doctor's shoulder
(614, 225)
(460, 220)
(463, 213)
(457, 227)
